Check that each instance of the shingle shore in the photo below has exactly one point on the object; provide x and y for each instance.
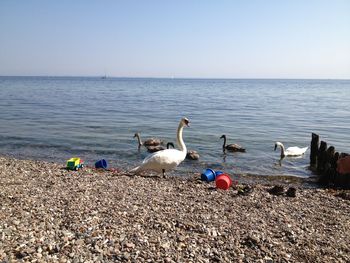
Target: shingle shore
(49, 214)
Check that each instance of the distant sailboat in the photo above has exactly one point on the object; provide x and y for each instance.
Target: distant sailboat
(104, 76)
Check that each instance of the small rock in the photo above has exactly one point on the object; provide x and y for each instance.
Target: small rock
(165, 245)
(291, 192)
(268, 260)
(130, 245)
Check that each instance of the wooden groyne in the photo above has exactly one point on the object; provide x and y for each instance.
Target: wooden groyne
(324, 162)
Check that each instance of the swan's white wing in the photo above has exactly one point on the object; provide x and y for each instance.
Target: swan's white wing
(167, 159)
(293, 151)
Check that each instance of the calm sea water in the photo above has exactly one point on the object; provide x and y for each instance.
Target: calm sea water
(57, 118)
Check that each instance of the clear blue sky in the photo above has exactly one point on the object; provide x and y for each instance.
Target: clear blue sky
(189, 38)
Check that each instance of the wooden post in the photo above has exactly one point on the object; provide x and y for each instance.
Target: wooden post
(329, 172)
(314, 150)
(321, 157)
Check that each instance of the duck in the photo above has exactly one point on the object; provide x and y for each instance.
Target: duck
(192, 155)
(231, 147)
(158, 148)
(290, 151)
(168, 159)
(148, 142)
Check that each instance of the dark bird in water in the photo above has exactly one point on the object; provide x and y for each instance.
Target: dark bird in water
(231, 147)
(148, 142)
(157, 148)
(170, 144)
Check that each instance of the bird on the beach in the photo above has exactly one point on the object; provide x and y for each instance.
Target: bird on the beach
(231, 147)
(148, 142)
(168, 159)
(192, 155)
(290, 151)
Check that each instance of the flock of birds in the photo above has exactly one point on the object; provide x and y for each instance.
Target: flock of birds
(165, 159)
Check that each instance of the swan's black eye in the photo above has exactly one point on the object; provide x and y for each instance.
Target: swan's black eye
(187, 121)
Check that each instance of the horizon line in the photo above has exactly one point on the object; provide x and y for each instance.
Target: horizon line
(140, 77)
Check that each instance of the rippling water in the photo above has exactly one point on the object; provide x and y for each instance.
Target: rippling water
(57, 118)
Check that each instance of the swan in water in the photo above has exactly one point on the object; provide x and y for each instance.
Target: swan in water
(158, 148)
(290, 151)
(149, 142)
(166, 160)
(231, 147)
(192, 155)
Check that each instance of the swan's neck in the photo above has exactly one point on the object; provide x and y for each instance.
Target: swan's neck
(224, 145)
(282, 150)
(139, 139)
(179, 140)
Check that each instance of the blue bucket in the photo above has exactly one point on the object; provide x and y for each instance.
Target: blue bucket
(208, 175)
(217, 173)
(101, 164)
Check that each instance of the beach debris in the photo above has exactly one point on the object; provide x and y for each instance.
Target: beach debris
(223, 181)
(277, 190)
(245, 190)
(75, 163)
(208, 175)
(291, 192)
(101, 164)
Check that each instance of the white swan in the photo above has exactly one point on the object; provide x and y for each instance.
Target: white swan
(290, 151)
(166, 160)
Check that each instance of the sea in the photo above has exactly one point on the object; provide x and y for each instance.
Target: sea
(56, 118)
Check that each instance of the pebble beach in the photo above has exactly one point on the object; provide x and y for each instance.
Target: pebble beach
(50, 214)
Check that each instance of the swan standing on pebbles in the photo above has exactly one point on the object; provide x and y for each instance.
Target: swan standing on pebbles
(149, 142)
(290, 151)
(231, 147)
(166, 160)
